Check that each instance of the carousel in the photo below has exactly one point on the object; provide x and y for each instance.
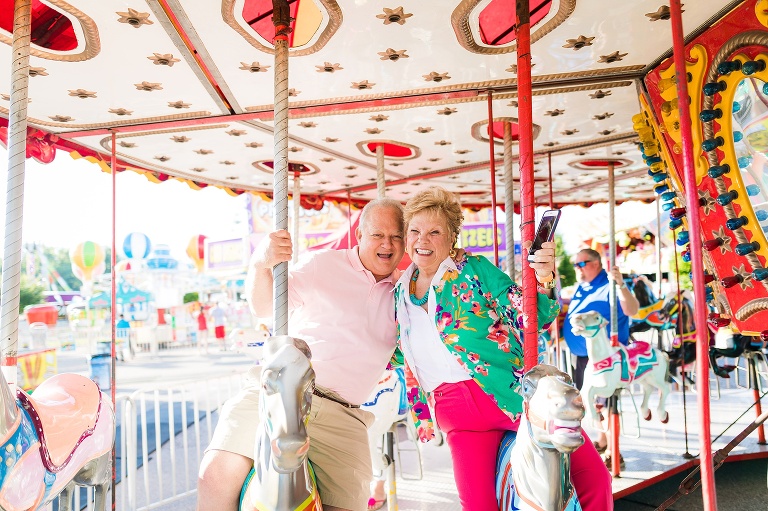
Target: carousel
(554, 103)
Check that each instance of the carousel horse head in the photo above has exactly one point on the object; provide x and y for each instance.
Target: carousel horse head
(587, 324)
(553, 407)
(532, 468)
(287, 381)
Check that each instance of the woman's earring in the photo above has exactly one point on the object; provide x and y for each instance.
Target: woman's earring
(452, 253)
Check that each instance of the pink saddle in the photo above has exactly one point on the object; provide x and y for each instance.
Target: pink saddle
(64, 409)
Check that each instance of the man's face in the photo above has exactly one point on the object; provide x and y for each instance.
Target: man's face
(380, 242)
(586, 268)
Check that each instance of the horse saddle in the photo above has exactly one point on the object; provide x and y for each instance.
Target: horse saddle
(64, 409)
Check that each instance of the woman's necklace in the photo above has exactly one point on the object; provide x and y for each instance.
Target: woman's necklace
(412, 289)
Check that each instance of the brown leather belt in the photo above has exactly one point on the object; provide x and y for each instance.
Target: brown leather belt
(319, 393)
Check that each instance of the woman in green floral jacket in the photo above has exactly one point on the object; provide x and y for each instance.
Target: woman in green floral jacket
(460, 335)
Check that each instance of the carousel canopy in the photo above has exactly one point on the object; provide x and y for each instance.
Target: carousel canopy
(188, 87)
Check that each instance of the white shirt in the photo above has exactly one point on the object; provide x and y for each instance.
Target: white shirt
(425, 352)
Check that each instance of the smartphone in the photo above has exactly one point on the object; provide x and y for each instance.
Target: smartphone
(545, 232)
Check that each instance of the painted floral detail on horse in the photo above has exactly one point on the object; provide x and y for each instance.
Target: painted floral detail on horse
(479, 318)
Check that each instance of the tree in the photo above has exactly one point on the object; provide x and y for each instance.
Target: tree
(30, 293)
(190, 297)
(684, 268)
(564, 266)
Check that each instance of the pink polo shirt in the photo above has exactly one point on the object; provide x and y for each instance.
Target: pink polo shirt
(346, 317)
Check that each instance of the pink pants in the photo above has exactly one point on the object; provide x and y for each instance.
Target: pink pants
(474, 427)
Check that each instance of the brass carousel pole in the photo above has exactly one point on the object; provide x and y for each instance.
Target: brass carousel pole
(281, 17)
(613, 401)
(14, 194)
(380, 181)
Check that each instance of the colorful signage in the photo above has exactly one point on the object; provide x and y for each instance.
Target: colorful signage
(227, 255)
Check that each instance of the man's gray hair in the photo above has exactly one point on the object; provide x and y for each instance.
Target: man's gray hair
(382, 203)
(593, 255)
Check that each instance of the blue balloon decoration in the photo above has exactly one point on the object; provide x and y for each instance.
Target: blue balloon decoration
(137, 245)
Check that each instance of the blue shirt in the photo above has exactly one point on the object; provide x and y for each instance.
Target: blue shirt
(593, 296)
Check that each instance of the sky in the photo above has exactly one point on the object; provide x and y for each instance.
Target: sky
(70, 201)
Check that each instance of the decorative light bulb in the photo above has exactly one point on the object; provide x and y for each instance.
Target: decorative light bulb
(764, 335)
(661, 188)
(666, 83)
(713, 244)
(728, 67)
(668, 106)
(667, 196)
(736, 107)
(668, 205)
(744, 161)
(710, 115)
(658, 177)
(726, 198)
(677, 213)
(718, 170)
(731, 281)
(683, 237)
(712, 88)
(653, 159)
(738, 136)
(765, 89)
(687, 256)
(753, 190)
(712, 143)
(753, 66)
(675, 223)
(708, 279)
(735, 223)
(761, 214)
(746, 248)
(717, 320)
(760, 273)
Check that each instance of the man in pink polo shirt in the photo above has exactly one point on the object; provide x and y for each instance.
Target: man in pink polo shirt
(342, 305)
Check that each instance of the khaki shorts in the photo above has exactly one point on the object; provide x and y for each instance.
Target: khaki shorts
(338, 447)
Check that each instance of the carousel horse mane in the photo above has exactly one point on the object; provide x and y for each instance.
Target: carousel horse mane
(533, 465)
(282, 479)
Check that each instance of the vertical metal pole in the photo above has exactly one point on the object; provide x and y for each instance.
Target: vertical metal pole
(491, 142)
(509, 200)
(113, 294)
(349, 219)
(658, 246)
(14, 194)
(296, 213)
(692, 199)
(380, 182)
(281, 17)
(527, 198)
(389, 447)
(612, 253)
(551, 193)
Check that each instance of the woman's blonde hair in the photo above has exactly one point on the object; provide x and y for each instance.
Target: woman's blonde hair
(437, 200)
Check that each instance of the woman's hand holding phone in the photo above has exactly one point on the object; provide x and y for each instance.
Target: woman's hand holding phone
(543, 261)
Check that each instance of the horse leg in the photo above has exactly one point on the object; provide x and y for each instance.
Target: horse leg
(663, 386)
(644, 409)
(591, 393)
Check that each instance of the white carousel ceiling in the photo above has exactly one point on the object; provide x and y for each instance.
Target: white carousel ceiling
(410, 73)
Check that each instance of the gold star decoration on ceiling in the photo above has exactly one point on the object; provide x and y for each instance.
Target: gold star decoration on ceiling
(611, 58)
(327, 159)
(235, 133)
(178, 104)
(602, 117)
(307, 124)
(555, 112)
(82, 93)
(120, 111)
(512, 104)
(148, 86)
(578, 43)
(726, 240)
(134, 18)
(661, 14)
(379, 118)
(37, 71)
(426, 129)
(394, 16)
(434, 159)
(328, 67)
(197, 169)
(600, 94)
(203, 151)
(393, 55)
(292, 93)
(180, 139)
(551, 144)
(746, 276)
(373, 131)
(462, 162)
(295, 149)
(231, 178)
(163, 59)
(330, 140)
(227, 162)
(462, 151)
(127, 145)
(436, 77)
(442, 142)
(162, 158)
(447, 111)
(365, 84)
(61, 118)
(253, 145)
(254, 67)
(569, 132)
(605, 132)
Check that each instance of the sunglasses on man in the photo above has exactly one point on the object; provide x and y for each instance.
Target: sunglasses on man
(581, 264)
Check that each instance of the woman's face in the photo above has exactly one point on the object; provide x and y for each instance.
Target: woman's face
(428, 240)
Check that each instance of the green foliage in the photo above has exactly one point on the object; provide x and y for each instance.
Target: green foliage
(684, 269)
(190, 297)
(30, 293)
(564, 266)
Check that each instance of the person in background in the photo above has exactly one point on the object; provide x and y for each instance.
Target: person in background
(341, 303)
(219, 316)
(202, 331)
(593, 294)
(460, 326)
(123, 333)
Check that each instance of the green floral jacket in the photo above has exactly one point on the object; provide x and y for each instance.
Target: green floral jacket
(478, 316)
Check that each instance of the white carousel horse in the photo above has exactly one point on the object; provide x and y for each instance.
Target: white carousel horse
(534, 465)
(388, 405)
(616, 367)
(60, 436)
(282, 479)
